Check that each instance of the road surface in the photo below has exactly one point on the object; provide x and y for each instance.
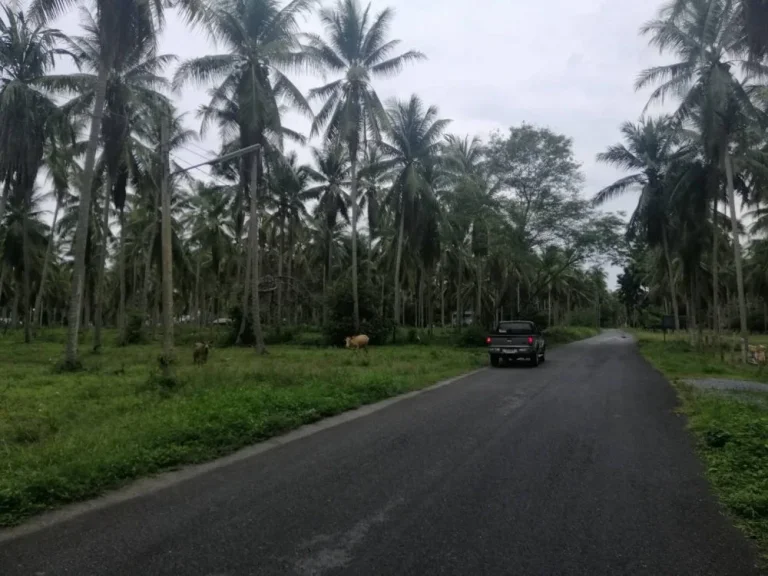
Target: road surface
(577, 467)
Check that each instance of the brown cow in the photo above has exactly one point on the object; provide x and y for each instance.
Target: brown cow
(200, 354)
(357, 342)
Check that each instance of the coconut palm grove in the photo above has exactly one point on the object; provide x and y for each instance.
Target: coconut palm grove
(157, 313)
(419, 226)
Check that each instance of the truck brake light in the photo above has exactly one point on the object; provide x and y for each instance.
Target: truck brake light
(530, 339)
(488, 340)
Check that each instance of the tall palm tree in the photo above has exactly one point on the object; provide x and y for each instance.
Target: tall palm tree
(414, 136)
(60, 160)
(290, 196)
(23, 247)
(356, 46)
(648, 152)
(122, 25)
(475, 196)
(707, 38)
(28, 118)
(263, 40)
(330, 177)
(132, 95)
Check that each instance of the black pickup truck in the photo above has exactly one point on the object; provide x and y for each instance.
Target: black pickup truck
(516, 340)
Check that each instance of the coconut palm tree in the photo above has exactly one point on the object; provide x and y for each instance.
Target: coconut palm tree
(330, 176)
(60, 161)
(29, 118)
(290, 197)
(262, 40)
(414, 136)
(132, 95)
(122, 26)
(356, 46)
(648, 152)
(706, 37)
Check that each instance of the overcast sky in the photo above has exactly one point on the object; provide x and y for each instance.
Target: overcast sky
(569, 65)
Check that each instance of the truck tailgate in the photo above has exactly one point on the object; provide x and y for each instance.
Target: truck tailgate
(504, 341)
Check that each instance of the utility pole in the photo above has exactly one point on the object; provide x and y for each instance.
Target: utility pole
(167, 262)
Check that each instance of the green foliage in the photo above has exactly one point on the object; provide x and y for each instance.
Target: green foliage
(566, 334)
(134, 329)
(731, 428)
(67, 437)
(341, 323)
(472, 337)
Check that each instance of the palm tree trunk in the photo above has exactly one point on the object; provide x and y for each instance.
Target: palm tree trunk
(479, 293)
(196, 308)
(765, 316)
(459, 315)
(442, 289)
(81, 235)
(280, 258)
(4, 196)
(122, 273)
(353, 195)
(46, 260)
(292, 308)
(15, 305)
(715, 282)
(87, 306)
(737, 258)
(166, 239)
(27, 272)
(398, 259)
(144, 303)
(246, 295)
(549, 306)
(2, 282)
(670, 275)
(101, 270)
(254, 245)
(567, 307)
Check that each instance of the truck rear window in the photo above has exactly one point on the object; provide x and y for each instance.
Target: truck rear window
(515, 328)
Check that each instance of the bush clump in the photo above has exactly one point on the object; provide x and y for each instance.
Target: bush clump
(341, 322)
(472, 337)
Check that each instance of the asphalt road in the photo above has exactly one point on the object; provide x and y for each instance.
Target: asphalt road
(577, 467)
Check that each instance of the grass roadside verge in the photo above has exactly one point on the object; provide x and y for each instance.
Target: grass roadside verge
(69, 437)
(730, 428)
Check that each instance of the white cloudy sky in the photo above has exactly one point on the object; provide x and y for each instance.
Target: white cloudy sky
(566, 64)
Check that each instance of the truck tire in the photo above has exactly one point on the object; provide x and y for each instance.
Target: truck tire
(495, 360)
(535, 359)
(544, 355)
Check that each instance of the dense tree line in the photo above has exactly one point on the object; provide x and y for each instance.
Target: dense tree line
(433, 227)
(698, 233)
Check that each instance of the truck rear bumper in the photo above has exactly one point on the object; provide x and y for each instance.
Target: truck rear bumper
(517, 351)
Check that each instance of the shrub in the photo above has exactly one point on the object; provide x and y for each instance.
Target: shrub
(472, 337)
(341, 323)
(134, 329)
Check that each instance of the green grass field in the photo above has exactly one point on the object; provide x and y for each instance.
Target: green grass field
(67, 437)
(731, 427)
